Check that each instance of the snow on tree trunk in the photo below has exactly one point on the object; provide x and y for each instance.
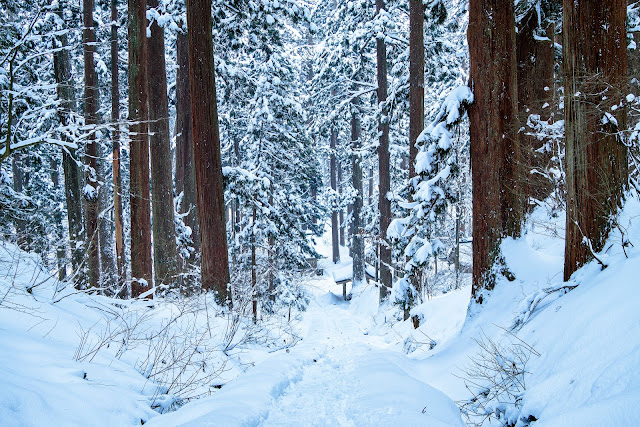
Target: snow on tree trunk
(384, 176)
(595, 72)
(535, 99)
(72, 173)
(335, 244)
(185, 172)
(206, 140)
(90, 190)
(357, 236)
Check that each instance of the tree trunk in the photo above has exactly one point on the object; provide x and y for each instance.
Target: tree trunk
(117, 178)
(595, 69)
(334, 212)
(165, 257)
(91, 152)
(416, 79)
(494, 135)
(185, 172)
(72, 173)
(341, 211)
(254, 276)
(384, 177)
(206, 149)
(141, 267)
(107, 259)
(357, 231)
(535, 97)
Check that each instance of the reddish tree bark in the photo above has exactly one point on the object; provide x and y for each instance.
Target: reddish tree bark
(494, 135)
(595, 72)
(141, 267)
(535, 96)
(185, 172)
(165, 257)
(416, 79)
(117, 178)
(206, 149)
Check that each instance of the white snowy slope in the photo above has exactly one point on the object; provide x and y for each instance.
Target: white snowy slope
(337, 375)
(357, 364)
(588, 369)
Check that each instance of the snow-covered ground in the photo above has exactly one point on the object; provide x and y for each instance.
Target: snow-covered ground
(340, 363)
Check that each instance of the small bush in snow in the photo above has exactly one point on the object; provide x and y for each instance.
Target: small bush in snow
(496, 379)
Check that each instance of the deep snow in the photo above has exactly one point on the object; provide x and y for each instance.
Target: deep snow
(355, 364)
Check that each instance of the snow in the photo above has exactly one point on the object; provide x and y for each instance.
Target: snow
(345, 363)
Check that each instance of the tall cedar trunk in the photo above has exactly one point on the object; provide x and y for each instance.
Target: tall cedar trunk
(341, 211)
(91, 151)
(165, 257)
(117, 178)
(535, 96)
(72, 173)
(254, 276)
(384, 204)
(493, 132)
(595, 69)
(141, 267)
(416, 79)
(357, 231)
(185, 172)
(206, 150)
(335, 244)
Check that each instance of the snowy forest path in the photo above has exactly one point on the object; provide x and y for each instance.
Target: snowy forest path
(355, 380)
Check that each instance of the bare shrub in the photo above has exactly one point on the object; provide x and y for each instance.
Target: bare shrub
(496, 379)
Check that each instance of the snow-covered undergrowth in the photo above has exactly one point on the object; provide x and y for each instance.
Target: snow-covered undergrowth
(70, 358)
(561, 353)
(538, 352)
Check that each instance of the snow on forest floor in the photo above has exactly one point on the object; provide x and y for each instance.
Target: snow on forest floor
(340, 363)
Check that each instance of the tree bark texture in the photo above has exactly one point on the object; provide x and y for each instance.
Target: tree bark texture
(535, 97)
(416, 79)
(91, 152)
(117, 177)
(72, 173)
(185, 172)
(494, 135)
(206, 150)
(335, 244)
(595, 72)
(357, 230)
(141, 266)
(341, 211)
(384, 176)
(165, 256)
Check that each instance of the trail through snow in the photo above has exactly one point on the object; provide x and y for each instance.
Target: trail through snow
(337, 375)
